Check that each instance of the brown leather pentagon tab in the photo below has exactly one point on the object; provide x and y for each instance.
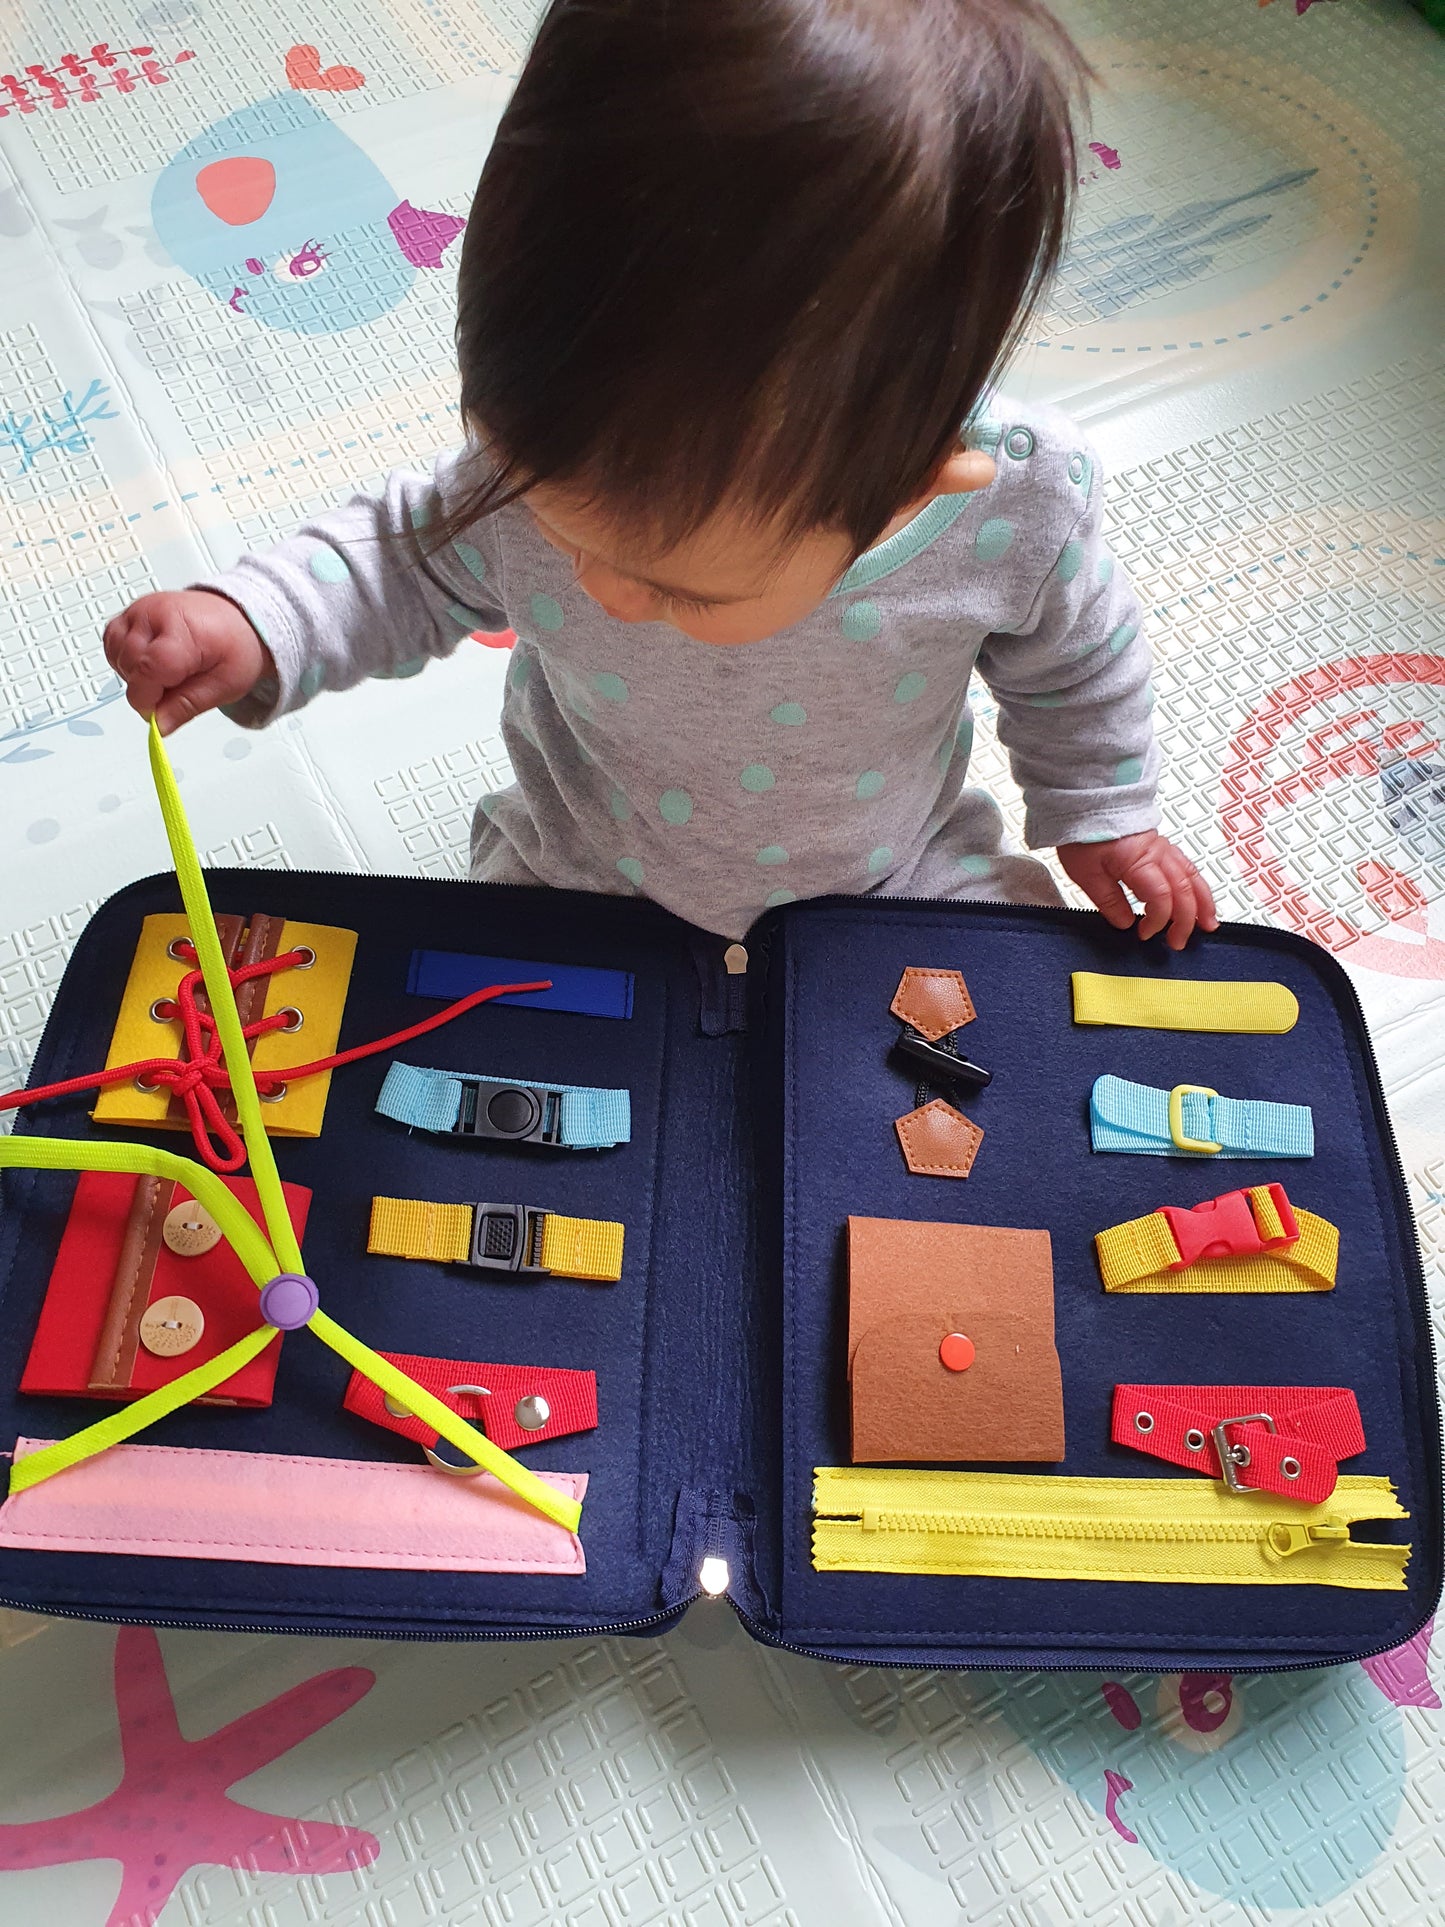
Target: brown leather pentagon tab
(933, 1001)
(938, 1141)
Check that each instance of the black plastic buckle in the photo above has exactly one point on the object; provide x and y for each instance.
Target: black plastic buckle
(941, 1060)
(514, 1112)
(508, 1237)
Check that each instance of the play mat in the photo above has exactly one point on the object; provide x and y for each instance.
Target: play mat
(1249, 328)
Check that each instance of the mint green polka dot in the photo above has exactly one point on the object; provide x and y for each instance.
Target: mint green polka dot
(528, 737)
(1122, 637)
(1050, 699)
(520, 670)
(676, 807)
(869, 785)
(965, 737)
(546, 612)
(772, 854)
(756, 778)
(464, 618)
(619, 806)
(489, 802)
(420, 514)
(584, 755)
(945, 754)
(413, 666)
(976, 866)
(910, 687)
(1104, 567)
(1071, 560)
(1149, 697)
(1129, 770)
(775, 899)
(789, 713)
(631, 869)
(312, 679)
(578, 706)
(879, 859)
(611, 688)
(328, 566)
(994, 538)
(861, 621)
(472, 560)
(1099, 836)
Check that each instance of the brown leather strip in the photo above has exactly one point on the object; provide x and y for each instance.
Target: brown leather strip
(230, 930)
(263, 940)
(135, 1268)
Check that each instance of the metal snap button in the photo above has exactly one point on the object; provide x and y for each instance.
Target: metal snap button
(190, 1230)
(957, 1353)
(532, 1413)
(171, 1326)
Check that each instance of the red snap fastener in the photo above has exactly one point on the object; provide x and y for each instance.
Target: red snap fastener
(956, 1352)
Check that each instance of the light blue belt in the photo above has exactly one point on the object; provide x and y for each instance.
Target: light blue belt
(1191, 1121)
(477, 1104)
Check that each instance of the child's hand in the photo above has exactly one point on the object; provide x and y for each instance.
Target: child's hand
(1163, 879)
(184, 652)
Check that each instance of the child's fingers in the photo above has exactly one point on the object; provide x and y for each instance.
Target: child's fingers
(194, 697)
(1150, 883)
(1109, 899)
(1204, 903)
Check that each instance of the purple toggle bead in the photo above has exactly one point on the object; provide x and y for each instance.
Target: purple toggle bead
(288, 1301)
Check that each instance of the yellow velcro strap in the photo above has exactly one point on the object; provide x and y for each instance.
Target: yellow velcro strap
(412, 1228)
(1178, 1003)
(1136, 1256)
(581, 1248)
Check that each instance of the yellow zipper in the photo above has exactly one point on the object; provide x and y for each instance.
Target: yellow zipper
(1003, 1525)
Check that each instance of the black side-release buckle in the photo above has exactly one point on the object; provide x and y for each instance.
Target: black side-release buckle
(514, 1112)
(941, 1060)
(508, 1237)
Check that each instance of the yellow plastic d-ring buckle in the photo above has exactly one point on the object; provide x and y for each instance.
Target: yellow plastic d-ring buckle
(1176, 1117)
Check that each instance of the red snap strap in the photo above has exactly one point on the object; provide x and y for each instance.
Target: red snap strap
(513, 1404)
(1287, 1439)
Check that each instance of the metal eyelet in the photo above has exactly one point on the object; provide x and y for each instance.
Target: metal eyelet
(308, 954)
(1194, 1440)
(1289, 1468)
(1143, 1421)
(272, 1097)
(177, 950)
(149, 1090)
(290, 1010)
(163, 1010)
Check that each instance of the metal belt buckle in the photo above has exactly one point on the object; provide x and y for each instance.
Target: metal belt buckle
(508, 1237)
(1233, 1459)
(514, 1112)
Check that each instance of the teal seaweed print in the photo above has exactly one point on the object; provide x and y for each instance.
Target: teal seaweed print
(64, 427)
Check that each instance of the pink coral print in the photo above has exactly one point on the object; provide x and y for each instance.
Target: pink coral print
(1404, 1675)
(171, 1811)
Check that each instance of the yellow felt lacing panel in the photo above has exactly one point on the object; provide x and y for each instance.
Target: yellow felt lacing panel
(412, 1228)
(1162, 1003)
(1136, 1256)
(582, 1248)
(263, 1260)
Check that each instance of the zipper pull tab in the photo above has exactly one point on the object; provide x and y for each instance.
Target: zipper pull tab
(1285, 1540)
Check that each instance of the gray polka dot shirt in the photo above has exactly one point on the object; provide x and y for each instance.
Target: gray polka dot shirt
(830, 757)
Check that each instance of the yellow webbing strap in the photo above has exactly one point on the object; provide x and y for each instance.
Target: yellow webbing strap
(1174, 1003)
(262, 1261)
(582, 1248)
(1136, 1256)
(412, 1228)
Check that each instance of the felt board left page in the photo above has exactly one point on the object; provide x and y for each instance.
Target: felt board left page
(633, 1334)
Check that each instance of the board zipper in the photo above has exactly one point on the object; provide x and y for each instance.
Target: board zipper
(1008, 1525)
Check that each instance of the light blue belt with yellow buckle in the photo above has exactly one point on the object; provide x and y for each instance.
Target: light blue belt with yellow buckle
(1195, 1122)
(574, 1117)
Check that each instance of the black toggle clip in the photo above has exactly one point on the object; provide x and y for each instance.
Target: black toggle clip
(941, 1060)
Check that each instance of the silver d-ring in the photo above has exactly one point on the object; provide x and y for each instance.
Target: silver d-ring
(290, 1010)
(470, 1469)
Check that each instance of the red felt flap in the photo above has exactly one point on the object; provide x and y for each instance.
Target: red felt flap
(78, 1294)
(571, 1398)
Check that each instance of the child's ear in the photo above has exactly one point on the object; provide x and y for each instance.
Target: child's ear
(962, 472)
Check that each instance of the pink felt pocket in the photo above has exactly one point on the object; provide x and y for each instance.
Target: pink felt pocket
(175, 1502)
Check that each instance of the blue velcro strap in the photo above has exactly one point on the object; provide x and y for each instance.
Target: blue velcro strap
(1135, 1117)
(430, 1100)
(585, 988)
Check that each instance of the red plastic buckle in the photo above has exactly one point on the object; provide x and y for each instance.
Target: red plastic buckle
(1224, 1227)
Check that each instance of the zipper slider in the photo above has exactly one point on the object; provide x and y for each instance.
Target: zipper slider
(1284, 1540)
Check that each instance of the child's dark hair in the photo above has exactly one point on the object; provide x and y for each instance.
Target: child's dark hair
(761, 252)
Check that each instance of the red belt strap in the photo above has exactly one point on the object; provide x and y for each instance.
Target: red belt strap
(1287, 1439)
(571, 1398)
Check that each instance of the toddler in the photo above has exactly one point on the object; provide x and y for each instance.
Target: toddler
(738, 277)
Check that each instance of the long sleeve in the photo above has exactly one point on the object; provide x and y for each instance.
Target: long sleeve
(1072, 686)
(356, 592)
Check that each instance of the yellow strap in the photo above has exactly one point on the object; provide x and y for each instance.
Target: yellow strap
(582, 1248)
(1179, 1003)
(1136, 1256)
(1026, 1526)
(411, 1228)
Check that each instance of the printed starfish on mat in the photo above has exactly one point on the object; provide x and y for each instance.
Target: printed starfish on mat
(171, 1811)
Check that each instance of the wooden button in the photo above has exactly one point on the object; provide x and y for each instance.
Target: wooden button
(190, 1230)
(171, 1326)
(956, 1353)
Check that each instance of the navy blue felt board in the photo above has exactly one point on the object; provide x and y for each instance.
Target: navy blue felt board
(587, 991)
(833, 971)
